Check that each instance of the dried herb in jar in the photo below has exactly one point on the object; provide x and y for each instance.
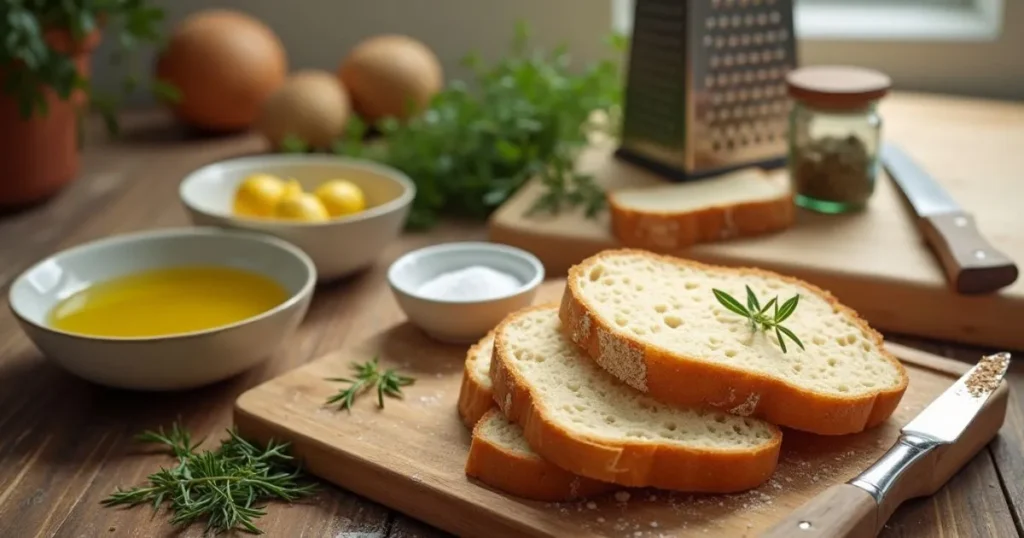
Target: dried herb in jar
(835, 169)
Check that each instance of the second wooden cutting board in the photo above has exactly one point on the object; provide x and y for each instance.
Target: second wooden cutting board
(875, 261)
(411, 455)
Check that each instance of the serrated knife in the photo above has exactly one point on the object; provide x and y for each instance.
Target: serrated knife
(971, 264)
(911, 468)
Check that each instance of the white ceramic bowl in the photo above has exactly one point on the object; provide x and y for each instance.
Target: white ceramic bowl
(338, 247)
(170, 362)
(462, 321)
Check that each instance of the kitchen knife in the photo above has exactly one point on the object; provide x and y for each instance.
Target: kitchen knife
(860, 507)
(971, 264)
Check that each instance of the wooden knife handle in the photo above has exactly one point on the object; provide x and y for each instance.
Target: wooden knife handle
(843, 510)
(972, 265)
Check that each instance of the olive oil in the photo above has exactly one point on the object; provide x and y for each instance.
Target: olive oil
(167, 301)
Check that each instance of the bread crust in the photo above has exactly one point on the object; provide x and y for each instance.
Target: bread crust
(667, 231)
(474, 398)
(529, 478)
(633, 462)
(690, 381)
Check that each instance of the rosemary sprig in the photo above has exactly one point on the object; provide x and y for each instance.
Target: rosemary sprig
(222, 486)
(759, 316)
(368, 374)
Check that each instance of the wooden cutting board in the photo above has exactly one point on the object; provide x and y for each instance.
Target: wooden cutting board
(874, 261)
(411, 455)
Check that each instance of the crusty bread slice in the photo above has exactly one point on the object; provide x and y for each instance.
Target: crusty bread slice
(475, 397)
(579, 417)
(654, 322)
(500, 457)
(669, 217)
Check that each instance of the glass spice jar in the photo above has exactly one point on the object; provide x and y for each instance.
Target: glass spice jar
(834, 136)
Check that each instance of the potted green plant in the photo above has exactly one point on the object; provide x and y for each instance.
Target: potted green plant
(45, 51)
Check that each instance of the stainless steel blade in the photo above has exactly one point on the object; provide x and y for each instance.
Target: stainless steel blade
(927, 197)
(946, 418)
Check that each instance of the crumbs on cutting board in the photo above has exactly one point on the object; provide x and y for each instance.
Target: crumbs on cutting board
(635, 513)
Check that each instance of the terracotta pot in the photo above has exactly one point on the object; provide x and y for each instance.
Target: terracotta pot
(39, 155)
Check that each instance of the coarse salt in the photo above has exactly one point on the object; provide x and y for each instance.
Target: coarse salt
(473, 283)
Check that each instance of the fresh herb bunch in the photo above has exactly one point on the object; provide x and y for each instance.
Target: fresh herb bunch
(527, 115)
(29, 65)
(222, 486)
(369, 374)
(759, 316)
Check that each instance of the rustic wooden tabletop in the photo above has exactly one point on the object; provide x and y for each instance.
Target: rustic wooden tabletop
(66, 444)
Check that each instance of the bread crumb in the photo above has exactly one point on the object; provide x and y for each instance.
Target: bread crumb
(622, 496)
(600, 520)
(638, 534)
(592, 505)
(652, 498)
(748, 406)
(654, 524)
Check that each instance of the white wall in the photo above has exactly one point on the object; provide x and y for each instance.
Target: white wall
(317, 33)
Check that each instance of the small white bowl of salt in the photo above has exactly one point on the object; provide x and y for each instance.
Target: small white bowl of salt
(456, 292)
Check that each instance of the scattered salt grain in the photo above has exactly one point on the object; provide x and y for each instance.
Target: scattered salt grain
(592, 505)
(652, 498)
(622, 496)
(654, 524)
(473, 283)
(600, 520)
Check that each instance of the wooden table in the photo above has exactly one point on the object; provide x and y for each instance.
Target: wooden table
(66, 444)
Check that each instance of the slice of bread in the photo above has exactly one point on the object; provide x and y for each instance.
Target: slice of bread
(475, 397)
(500, 458)
(579, 417)
(669, 217)
(654, 322)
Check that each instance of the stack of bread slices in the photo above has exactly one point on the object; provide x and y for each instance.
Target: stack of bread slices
(642, 378)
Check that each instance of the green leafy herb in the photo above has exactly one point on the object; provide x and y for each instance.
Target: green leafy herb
(369, 375)
(527, 115)
(759, 316)
(293, 144)
(31, 64)
(223, 486)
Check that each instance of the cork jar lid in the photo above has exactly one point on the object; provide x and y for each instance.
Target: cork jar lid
(837, 86)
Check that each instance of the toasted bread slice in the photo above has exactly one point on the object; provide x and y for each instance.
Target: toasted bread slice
(475, 397)
(673, 216)
(654, 322)
(500, 457)
(582, 419)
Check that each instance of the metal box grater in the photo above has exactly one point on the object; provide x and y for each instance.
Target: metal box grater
(705, 88)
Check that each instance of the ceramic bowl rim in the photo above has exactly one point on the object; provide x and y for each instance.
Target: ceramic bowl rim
(402, 200)
(471, 246)
(184, 232)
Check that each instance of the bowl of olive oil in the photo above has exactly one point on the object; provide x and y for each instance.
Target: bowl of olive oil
(167, 309)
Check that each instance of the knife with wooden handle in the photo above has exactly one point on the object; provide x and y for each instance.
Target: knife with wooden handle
(911, 468)
(971, 264)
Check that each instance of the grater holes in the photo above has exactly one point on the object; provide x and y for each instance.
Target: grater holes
(727, 60)
(766, 55)
(774, 17)
(733, 41)
(741, 59)
(713, 61)
(780, 53)
(745, 40)
(737, 20)
(762, 19)
(783, 34)
(730, 96)
(708, 40)
(748, 76)
(762, 74)
(709, 81)
(711, 23)
(748, 20)
(769, 37)
(743, 94)
(758, 38)
(719, 42)
(723, 21)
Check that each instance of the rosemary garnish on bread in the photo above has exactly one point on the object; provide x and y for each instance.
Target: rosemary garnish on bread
(759, 316)
(369, 374)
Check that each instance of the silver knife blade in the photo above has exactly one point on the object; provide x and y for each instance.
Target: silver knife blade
(924, 194)
(946, 418)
